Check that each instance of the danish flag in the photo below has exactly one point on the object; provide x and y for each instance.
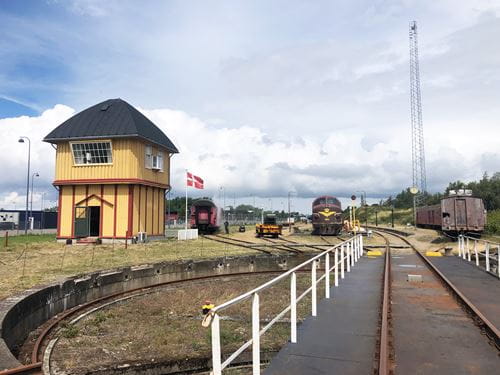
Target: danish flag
(194, 181)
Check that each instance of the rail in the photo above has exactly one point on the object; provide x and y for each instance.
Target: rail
(345, 254)
(469, 246)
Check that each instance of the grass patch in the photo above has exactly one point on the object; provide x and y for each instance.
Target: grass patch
(69, 331)
(402, 216)
(28, 239)
(39, 259)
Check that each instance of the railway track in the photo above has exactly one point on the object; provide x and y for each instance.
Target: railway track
(282, 246)
(235, 242)
(41, 352)
(387, 353)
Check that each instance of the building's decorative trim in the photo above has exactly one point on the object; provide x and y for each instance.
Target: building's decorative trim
(146, 211)
(110, 181)
(153, 209)
(59, 213)
(139, 215)
(102, 200)
(114, 210)
(73, 213)
(130, 210)
(101, 213)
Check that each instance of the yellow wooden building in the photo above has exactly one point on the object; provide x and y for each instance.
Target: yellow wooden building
(112, 173)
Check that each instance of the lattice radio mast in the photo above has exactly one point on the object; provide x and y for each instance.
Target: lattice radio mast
(417, 131)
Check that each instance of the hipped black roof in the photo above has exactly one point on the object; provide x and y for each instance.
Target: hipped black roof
(113, 118)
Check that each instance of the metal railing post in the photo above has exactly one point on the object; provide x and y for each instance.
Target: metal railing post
(356, 249)
(293, 308)
(255, 335)
(459, 245)
(352, 252)
(327, 275)
(498, 260)
(361, 246)
(468, 250)
(475, 252)
(487, 252)
(313, 291)
(463, 248)
(342, 266)
(216, 353)
(336, 267)
(348, 254)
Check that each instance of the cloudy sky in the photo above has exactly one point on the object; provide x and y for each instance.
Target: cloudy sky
(261, 97)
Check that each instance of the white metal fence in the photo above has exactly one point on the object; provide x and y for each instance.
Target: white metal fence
(472, 248)
(345, 255)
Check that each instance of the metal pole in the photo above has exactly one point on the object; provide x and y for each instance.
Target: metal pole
(313, 291)
(366, 216)
(348, 255)
(21, 139)
(487, 253)
(293, 308)
(336, 267)
(289, 220)
(376, 218)
(475, 252)
(327, 275)
(255, 335)
(342, 261)
(216, 352)
(468, 250)
(415, 212)
(186, 211)
(392, 216)
(31, 198)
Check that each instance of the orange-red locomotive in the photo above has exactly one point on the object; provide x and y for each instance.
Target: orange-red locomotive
(326, 216)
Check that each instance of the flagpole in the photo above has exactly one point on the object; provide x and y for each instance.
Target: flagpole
(186, 220)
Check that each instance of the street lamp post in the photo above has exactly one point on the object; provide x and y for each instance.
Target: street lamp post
(31, 198)
(21, 140)
(363, 202)
(289, 216)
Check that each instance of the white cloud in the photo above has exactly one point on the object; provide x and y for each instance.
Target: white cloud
(247, 161)
(314, 99)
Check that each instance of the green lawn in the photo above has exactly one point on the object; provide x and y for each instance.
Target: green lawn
(28, 239)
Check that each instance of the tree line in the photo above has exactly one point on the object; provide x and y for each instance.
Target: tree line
(241, 211)
(487, 188)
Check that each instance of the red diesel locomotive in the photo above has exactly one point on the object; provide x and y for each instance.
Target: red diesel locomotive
(205, 216)
(326, 216)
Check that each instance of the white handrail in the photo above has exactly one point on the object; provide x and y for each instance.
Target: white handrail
(353, 251)
(464, 251)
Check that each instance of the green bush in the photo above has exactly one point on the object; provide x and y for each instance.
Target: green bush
(69, 330)
(493, 222)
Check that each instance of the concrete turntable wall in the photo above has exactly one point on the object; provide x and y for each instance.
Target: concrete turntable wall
(21, 314)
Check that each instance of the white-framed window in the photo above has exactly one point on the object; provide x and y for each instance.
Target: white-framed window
(159, 158)
(154, 160)
(149, 157)
(85, 153)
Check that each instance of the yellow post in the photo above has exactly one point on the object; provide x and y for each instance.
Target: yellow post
(354, 219)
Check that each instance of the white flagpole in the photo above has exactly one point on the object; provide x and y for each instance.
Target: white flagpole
(186, 220)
